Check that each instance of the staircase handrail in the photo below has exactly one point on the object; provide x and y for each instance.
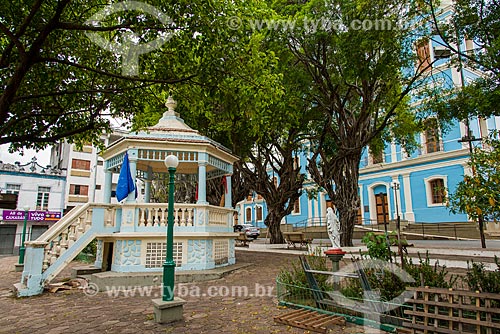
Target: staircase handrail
(66, 220)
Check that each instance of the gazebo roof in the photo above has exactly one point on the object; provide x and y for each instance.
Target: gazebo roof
(170, 136)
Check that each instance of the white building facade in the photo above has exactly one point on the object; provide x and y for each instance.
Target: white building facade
(40, 195)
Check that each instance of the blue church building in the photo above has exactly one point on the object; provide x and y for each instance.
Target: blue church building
(395, 181)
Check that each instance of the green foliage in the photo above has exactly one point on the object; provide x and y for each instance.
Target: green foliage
(432, 275)
(356, 85)
(295, 276)
(479, 193)
(91, 248)
(476, 20)
(479, 279)
(387, 283)
(352, 289)
(377, 246)
(88, 254)
(58, 83)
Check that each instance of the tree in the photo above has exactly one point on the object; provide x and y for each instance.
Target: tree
(259, 112)
(360, 80)
(272, 165)
(245, 107)
(478, 22)
(285, 187)
(478, 195)
(476, 25)
(340, 88)
(57, 83)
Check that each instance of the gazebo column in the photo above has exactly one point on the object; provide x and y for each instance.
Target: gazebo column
(202, 182)
(228, 196)
(147, 188)
(108, 180)
(132, 158)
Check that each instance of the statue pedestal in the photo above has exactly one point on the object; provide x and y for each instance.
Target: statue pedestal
(335, 255)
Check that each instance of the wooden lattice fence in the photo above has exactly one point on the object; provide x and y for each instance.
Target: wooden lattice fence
(453, 311)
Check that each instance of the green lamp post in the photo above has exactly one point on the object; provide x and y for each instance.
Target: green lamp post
(23, 237)
(171, 162)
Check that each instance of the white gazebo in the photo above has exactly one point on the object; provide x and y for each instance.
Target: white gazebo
(130, 235)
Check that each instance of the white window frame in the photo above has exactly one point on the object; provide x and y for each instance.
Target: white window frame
(257, 207)
(248, 208)
(371, 158)
(423, 139)
(428, 189)
(11, 190)
(44, 204)
(300, 208)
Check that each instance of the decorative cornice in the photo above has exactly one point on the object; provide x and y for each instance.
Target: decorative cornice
(32, 167)
(405, 166)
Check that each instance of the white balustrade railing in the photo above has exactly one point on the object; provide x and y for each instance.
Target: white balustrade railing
(73, 225)
(219, 216)
(156, 214)
(62, 235)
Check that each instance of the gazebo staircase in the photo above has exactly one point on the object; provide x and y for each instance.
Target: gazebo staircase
(52, 251)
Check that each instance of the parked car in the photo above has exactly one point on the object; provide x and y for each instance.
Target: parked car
(250, 230)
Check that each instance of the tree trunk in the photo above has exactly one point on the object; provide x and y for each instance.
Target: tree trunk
(481, 231)
(346, 194)
(273, 223)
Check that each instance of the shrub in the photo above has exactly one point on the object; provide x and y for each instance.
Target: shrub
(377, 246)
(479, 279)
(295, 274)
(387, 283)
(433, 275)
(88, 254)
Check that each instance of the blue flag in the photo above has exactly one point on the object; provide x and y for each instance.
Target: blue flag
(125, 182)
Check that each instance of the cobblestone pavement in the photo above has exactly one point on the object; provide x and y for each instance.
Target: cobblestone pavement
(206, 310)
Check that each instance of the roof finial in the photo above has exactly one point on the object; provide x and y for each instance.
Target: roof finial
(170, 104)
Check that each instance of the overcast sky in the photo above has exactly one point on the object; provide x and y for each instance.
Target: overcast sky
(43, 157)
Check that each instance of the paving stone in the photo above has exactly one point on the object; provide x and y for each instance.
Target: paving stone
(73, 312)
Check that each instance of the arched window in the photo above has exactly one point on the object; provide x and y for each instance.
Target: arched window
(375, 157)
(378, 157)
(248, 217)
(275, 182)
(296, 207)
(296, 162)
(435, 189)
(423, 54)
(258, 213)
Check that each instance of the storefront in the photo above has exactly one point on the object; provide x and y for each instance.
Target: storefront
(11, 227)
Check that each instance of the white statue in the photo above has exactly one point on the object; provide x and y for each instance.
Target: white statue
(333, 227)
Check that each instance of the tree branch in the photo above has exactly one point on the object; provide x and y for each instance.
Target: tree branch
(112, 75)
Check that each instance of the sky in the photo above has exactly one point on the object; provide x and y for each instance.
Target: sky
(43, 157)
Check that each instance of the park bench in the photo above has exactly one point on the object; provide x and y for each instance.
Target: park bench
(296, 238)
(242, 240)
